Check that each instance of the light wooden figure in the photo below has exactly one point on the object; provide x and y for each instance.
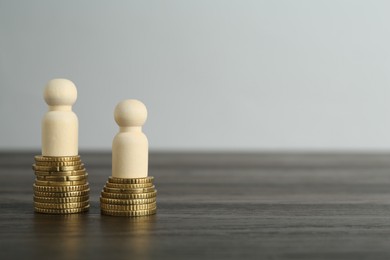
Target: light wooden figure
(130, 145)
(60, 123)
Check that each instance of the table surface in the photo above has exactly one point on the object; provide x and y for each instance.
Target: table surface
(214, 206)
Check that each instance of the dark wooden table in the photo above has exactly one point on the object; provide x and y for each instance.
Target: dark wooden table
(214, 206)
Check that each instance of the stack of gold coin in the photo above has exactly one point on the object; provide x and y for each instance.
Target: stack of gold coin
(128, 197)
(61, 185)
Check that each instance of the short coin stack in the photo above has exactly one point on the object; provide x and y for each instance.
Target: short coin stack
(128, 197)
(61, 185)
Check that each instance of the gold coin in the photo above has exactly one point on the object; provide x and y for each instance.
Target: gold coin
(129, 191)
(63, 194)
(57, 168)
(61, 188)
(56, 158)
(42, 205)
(65, 173)
(127, 201)
(59, 183)
(129, 196)
(148, 179)
(61, 200)
(137, 213)
(128, 186)
(61, 211)
(62, 178)
(128, 207)
(67, 163)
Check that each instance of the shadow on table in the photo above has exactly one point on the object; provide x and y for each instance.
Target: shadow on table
(77, 236)
(128, 236)
(60, 236)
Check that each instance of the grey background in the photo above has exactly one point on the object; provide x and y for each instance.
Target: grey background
(215, 75)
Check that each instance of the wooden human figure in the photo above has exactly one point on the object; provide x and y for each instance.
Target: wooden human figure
(130, 145)
(60, 123)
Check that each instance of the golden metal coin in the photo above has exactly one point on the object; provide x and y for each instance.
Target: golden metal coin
(61, 211)
(59, 183)
(65, 173)
(137, 213)
(129, 191)
(61, 200)
(128, 207)
(61, 188)
(67, 163)
(129, 196)
(57, 158)
(57, 168)
(62, 178)
(127, 201)
(63, 194)
(148, 179)
(128, 186)
(73, 205)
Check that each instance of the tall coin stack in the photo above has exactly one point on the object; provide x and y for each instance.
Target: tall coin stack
(61, 185)
(129, 197)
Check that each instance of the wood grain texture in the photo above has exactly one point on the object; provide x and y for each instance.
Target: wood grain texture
(214, 206)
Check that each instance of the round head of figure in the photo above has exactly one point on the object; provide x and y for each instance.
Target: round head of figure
(130, 112)
(60, 92)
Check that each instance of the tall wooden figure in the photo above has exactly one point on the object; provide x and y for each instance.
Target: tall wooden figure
(60, 123)
(61, 185)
